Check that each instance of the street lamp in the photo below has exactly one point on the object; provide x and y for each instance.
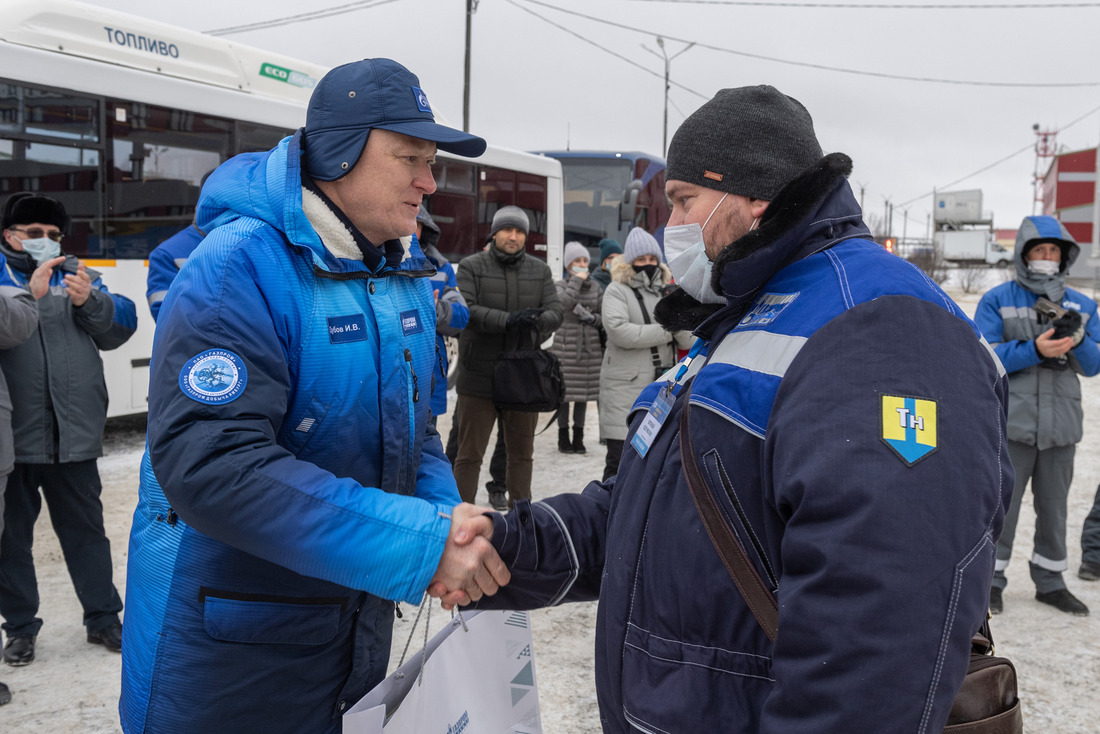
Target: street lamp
(667, 59)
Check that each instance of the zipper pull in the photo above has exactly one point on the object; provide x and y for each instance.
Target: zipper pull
(416, 388)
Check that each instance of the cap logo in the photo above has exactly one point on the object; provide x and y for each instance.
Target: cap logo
(712, 175)
(422, 100)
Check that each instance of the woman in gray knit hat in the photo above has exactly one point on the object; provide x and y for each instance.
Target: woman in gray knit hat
(577, 345)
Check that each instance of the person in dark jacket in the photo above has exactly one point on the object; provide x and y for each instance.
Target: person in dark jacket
(18, 320)
(512, 301)
(1043, 354)
(848, 422)
(165, 262)
(451, 313)
(59, 407)
(577, 345)
(609, 250)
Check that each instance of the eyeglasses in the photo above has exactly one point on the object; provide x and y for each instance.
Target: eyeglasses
(35, 233)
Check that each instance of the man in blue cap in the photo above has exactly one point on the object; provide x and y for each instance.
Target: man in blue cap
(293, 488)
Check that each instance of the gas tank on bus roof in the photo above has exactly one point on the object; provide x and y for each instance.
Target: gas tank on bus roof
(108, 36)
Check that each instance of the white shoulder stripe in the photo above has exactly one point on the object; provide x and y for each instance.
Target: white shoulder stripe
(1001, 372)
(759, 351)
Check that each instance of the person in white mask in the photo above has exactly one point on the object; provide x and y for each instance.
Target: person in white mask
(1043, 357)
(837, 416)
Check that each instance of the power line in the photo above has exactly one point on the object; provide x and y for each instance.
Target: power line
(299, 18)
(808, 65)
(617, 55)
(877, 6)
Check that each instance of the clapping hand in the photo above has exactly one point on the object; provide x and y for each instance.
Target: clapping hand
(470, 567)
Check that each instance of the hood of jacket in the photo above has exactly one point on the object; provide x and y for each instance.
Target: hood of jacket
(267, 187)
(812, 213)
(624, 272)
(1044, 229)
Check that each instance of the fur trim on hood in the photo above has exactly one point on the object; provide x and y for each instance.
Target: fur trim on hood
(623, 272)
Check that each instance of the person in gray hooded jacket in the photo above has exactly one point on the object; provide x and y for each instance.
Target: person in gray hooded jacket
(1044, 346)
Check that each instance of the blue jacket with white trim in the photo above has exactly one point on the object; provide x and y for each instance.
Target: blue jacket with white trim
(850, 423)
(165, 262)
(292, 485)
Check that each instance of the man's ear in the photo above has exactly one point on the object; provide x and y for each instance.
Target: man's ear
(757, 207)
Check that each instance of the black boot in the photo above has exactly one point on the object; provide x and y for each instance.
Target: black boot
(563, 441)
(578, 440)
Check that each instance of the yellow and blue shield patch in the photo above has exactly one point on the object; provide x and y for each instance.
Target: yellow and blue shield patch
(909, 427)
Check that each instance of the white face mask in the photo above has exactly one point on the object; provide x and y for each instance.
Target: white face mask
(682, 237)
(41, 249)
(1039, 267)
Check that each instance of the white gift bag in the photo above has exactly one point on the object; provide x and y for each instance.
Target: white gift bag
(478, 680)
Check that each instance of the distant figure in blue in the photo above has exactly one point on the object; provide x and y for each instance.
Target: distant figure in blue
(451, 312)
(165, 262)
(1043, 357)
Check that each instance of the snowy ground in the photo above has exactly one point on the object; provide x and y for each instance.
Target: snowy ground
(74, 686)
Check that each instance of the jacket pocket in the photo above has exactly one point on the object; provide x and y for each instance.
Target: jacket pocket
(261, 619)
(302, 425)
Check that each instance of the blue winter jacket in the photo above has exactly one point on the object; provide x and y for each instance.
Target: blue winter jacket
(850, 423)
(165, 262)
(303, 488)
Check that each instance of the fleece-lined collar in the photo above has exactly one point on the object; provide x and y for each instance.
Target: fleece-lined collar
(342, 238)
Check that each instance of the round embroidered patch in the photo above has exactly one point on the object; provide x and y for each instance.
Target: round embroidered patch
(215, 377)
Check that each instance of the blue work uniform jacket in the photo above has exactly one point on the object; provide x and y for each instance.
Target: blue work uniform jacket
(165, 262)
(292, 486)
(850, 422)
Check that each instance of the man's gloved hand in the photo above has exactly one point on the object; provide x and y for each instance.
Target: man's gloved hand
(1070, 324)
(584, 315)
(525, 318)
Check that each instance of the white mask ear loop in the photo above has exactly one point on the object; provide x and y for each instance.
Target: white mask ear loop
(714, 210)
(754, 223)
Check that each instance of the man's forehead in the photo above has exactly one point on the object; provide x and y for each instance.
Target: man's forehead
(673, 188)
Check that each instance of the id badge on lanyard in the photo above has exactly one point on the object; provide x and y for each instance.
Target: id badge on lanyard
(662, 406)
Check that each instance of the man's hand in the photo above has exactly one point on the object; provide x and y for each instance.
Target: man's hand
(39, 282)
(79, 285)
(1047, 346)
(525, 318)
(470, 567)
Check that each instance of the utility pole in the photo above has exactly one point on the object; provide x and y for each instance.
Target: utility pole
(667, 59)
(471, 8)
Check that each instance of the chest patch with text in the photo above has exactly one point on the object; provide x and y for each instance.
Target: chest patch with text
(350, 328)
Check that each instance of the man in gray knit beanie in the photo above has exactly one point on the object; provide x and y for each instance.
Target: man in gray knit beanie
(766, 530)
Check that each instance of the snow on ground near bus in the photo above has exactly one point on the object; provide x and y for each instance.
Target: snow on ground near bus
(74, 686)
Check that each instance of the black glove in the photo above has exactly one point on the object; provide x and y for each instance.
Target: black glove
(583, 314)
(1069, 324)
(525, 318)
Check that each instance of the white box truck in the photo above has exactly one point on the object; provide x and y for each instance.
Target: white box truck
(971, 246)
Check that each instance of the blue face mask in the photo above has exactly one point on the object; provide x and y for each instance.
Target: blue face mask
(41, 249)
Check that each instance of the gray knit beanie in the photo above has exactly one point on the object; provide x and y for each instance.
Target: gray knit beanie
(748, 141)
(638, 243)
(573, 250)
(510, 216)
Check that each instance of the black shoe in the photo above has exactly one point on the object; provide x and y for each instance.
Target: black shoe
(578, 441)
(996, 601)
(110, 637)
(20, 650)
(5, 694)
(498, 499)
(1089, 571)
(564, 446)
(1063, 601)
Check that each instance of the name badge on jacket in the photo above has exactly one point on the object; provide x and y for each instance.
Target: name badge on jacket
(351, 328)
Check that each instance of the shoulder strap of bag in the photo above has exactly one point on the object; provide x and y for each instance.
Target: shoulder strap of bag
(756, 593)
(653, 351)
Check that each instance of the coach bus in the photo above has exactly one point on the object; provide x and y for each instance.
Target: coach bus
(606, 193)
(121, 118)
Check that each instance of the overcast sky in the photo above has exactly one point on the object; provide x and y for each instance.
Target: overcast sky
(551, 73)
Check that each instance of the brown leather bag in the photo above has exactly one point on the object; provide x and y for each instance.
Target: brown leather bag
(987, 703)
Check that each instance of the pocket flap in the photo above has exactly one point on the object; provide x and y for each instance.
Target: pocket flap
(271, 622)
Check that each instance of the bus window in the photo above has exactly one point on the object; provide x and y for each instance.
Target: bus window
(253, 138)
(593, 190)
(158, 158)
(36, 111)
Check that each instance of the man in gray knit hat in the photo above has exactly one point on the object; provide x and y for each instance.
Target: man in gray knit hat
(834, 441)
(511, 296)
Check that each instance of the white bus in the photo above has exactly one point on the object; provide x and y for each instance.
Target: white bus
(120, 118)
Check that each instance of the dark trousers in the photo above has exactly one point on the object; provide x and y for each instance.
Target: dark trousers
(614, 454)
(72, 493)
(1090, 533)
(579, 411)
(498, 464)
(475, 420)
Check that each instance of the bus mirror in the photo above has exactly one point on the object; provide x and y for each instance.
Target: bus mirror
(628, 209)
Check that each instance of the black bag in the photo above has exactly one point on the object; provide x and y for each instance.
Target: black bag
(528, 380)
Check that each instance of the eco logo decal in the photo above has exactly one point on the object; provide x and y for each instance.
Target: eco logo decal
(909, 427)
(214, 377)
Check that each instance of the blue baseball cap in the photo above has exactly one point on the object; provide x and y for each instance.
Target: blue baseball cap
(355, 98)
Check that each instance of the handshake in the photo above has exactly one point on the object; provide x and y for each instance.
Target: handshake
(470, 567)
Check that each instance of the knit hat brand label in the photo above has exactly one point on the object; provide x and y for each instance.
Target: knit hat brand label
(712, 175)
(909, 427)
